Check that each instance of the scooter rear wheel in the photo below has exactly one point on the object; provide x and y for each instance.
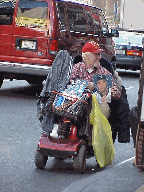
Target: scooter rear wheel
(79, 163)
(40, 159)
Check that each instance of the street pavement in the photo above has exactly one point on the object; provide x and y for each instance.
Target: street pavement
(123, 177)
(19, 137)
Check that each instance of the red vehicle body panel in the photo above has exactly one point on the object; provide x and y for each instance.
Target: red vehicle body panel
(33, 35)
(5, 42)
(59, 144)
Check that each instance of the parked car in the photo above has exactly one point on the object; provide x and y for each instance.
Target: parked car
(32, 32)
(128, 56)
(129, 50)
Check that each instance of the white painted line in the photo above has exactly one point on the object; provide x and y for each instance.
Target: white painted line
(125, 161)
(129, 88)
(126, 71)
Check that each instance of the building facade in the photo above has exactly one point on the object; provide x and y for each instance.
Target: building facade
(112, 10)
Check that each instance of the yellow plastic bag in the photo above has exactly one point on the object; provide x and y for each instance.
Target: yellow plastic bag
(101, 135)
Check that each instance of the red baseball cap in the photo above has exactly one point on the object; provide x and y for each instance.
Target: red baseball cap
(91, 47)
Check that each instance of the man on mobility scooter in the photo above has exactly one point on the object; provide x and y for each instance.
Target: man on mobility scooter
(63, 147)
(119, 106)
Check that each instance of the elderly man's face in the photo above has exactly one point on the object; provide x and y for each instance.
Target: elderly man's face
(92, 60)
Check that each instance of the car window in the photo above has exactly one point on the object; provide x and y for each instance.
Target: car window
(104, 23)
(89, 20)
(32, 14)
(121, 46)
(77, 19)
(134, 39)
(61, 15)
(80, 18)
(96, 20)
(129, 38)
(6, 13)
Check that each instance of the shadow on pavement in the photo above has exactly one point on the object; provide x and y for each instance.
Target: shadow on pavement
(31, 91)
(66, 167)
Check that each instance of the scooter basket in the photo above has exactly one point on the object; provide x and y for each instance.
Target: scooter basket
(70, 110)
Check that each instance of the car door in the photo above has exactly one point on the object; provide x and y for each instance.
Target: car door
(30, 34)
(6, 27)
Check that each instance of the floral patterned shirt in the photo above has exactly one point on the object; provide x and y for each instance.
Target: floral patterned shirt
(80, 71)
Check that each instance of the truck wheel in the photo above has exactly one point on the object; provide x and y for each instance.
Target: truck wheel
(35, 81)
(1, 81)
(79, 163)
(40, 159)
(59, 159)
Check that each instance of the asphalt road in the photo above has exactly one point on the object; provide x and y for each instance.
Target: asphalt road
(19, 137)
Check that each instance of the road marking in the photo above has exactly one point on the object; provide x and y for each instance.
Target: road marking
(129, 88)
(126, 71)
(125, 161)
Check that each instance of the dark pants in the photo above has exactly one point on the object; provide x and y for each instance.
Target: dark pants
(134, 123)
(119, 119)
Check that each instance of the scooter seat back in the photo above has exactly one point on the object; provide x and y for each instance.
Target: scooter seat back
(59, 74)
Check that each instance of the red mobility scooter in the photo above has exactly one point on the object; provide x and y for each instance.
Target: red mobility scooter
(74, 138)
(68, 105)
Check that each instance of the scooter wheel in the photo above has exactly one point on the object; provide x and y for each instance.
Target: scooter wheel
(79, 163)
(40, 159)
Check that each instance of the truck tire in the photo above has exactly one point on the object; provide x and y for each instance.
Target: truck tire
(1, 81)
(35, 81)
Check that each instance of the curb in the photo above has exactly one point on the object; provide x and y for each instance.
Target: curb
(117, 178)
(141, 189)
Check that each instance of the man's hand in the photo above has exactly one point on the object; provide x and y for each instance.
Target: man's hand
(90, 86)
(114, 90)
(104, 99)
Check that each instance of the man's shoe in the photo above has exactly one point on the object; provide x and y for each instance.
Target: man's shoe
(134, 162)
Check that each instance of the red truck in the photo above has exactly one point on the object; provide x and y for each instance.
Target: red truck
(33, 31)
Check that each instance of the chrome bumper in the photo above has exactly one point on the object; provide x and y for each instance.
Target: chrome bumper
(39, 70)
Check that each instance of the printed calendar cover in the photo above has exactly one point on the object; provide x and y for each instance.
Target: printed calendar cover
(103, 84)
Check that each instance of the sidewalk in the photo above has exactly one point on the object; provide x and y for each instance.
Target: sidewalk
(119, 178)
(141, 189)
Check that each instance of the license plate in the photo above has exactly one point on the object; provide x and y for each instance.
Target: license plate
(120, 51)
(28, 44)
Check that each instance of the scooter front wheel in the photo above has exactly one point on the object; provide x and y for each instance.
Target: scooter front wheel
(79, 163)
(40, 159)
